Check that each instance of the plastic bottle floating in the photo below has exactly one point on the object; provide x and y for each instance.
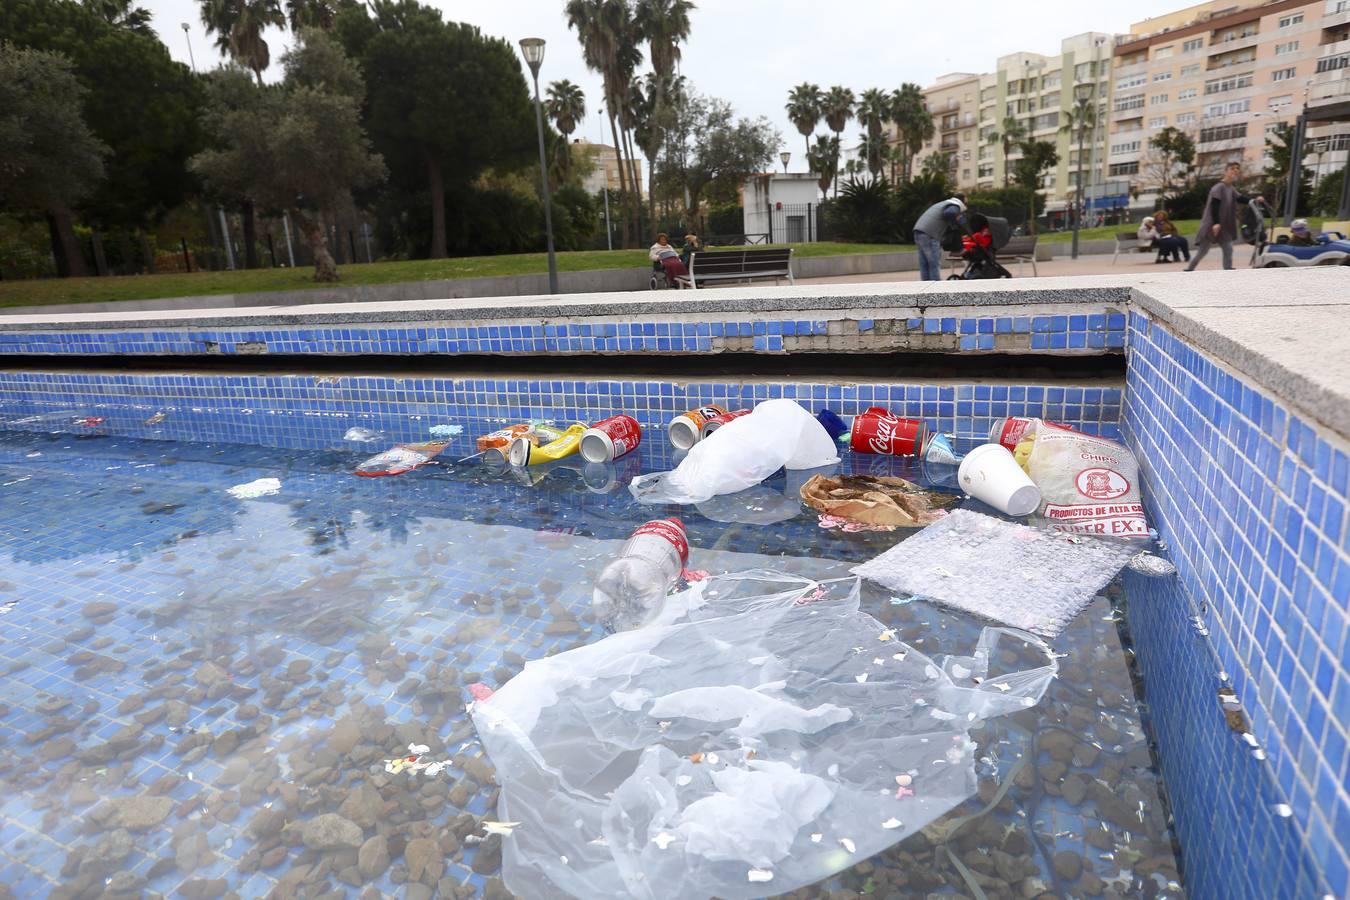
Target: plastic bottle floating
(400, 458)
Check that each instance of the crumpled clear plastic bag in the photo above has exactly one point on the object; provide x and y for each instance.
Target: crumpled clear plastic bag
(745, 451)
(764, 734)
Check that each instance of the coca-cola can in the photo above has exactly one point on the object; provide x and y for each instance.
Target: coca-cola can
(717, 422)
(687, 428)
(610, 439)
(877, 431)
(1010, 431)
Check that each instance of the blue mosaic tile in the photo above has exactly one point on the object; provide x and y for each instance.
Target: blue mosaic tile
(1244, 492)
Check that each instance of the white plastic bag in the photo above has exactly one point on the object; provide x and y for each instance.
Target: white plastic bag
(742, 453)
(741, 746)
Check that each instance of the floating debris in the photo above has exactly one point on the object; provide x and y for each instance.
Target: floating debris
(848, 845)
(503, 828)
(444, 431)
(361, 435)
(760, 875)
(663, 840)
(262, 487)
(892, 822)
(156, 419)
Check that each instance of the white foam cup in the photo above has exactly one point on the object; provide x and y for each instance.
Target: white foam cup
(990, 473)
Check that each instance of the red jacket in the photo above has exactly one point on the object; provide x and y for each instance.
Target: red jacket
(982, 238)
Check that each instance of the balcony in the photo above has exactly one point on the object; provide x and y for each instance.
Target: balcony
(950, 123)
(1336, 49)
(1239, 43)
(1336, 20)
(1221, 145)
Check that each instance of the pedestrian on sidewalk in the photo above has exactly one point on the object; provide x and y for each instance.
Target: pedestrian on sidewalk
(1219, 223)
(928, 231)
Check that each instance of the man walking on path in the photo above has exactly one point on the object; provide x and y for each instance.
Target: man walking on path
(1219, 222)
(928, 234)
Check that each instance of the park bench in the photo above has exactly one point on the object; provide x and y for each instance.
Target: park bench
(713, 266)
(1021, 249)
(1128, 241)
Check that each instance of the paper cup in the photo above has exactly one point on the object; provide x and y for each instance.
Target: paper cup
(990, 473)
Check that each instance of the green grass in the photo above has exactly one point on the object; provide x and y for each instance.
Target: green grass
(1187, 227)
(46, 292)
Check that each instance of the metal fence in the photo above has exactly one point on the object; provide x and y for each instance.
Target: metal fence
(788, 223)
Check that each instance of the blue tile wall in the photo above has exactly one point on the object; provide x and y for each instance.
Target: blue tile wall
(1252, 499)
(1095, 332)
(312, 412)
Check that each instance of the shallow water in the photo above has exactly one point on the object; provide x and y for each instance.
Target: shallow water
(201, 692)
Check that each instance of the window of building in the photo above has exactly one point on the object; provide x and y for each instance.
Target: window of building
(1163, 76)
(1134, 101)
(1050, 81)
(1157, 122)
(1126, 168)
(1332, 63)
(1084, 72)
(1186, 118)
(1281, 101)
(1127, 127)
(1286, 47)
(965, 154)
(1047, 120)
(965, 174)
(1188, 93)
(1192, 45)
(1050, 101)
(1130, 81)
(986, 171)
(1158, 99)
(1188, 71)
(1125, 147)
(1228, 83)
(1273, 128)
(1163, 52)
(1223, 133)
(1286, 21)
(1283, 74)
(1236, 34)
(1232, 107)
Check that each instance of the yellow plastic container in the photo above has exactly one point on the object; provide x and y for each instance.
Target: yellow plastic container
(524, 453)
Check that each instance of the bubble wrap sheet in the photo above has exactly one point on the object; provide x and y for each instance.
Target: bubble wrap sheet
(1030, 579)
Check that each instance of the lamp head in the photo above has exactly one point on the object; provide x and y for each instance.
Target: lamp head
(533, 50)
(1082, 92)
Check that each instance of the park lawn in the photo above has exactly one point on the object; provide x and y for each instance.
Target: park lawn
(49, 291)
(1188, 227)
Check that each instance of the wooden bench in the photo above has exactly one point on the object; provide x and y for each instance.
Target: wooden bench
(712, 266)
(1128, 239)
(1021, 249)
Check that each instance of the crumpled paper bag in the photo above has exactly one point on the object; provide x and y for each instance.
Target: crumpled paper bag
(875, 501)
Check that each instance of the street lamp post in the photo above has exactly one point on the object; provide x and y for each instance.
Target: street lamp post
(1082, 95)
(188, 38)
(785, 156)
(533, 50)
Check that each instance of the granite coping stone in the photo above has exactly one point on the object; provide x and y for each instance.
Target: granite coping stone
(1285, 329)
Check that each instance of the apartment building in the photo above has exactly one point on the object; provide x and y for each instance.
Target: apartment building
(1037, 91)
(1227, 74)
(605, 172)
(954, 102)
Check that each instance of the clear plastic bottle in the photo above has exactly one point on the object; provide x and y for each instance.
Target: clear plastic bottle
(630, 591)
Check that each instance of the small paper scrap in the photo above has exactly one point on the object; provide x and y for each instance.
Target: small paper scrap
(502, 828)
(263, 487)
(760, 875)
(848, 845)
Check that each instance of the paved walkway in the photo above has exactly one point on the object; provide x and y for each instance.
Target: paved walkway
(1097, 264)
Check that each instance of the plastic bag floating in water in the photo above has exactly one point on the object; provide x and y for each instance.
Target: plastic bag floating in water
(400, 458)
(262, 487)
(739, 741)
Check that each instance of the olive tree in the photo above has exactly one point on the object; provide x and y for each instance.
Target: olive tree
(296, 148)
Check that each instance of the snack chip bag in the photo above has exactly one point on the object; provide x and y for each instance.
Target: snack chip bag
(1089, 485)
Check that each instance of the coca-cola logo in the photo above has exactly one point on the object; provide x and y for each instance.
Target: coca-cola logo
(883, 438)
(1102, 484)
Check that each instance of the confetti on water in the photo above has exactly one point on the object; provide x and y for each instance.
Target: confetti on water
(760, 875)
(443, 431)
(848, 845)
(892, 822)
(502, 828)
(815, 838)
(663, 840)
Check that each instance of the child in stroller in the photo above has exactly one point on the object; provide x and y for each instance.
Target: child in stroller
(979, 245)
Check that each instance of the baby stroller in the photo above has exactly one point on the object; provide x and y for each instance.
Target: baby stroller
(983, 262)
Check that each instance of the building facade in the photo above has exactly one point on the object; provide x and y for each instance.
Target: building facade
(1037, 93)
(605, 171)
(1227, 74)
(954, 103)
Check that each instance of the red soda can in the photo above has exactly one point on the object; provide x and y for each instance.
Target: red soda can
(1010, 431)
(610, 438)
(877, 431)
(717, 422)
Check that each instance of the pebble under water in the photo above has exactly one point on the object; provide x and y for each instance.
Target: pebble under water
(202, 692)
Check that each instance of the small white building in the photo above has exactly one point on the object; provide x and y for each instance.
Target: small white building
(785, 209)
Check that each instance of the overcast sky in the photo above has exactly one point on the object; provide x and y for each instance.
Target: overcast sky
(751, 52)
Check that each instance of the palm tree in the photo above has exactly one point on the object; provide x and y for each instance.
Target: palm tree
(803, 108)
(238, 26)
(874, 108)
(913, 124)
(665, 25)
(823, 158)
(566, 105)
(837, 109)
(872, 148)
(608, 40)
(311, 14)
(121, 14)
(1012, 134)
